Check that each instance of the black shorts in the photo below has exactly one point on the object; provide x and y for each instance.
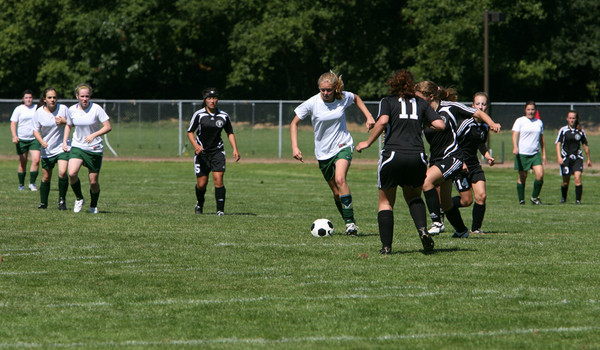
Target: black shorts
(571, 164)
(463, 181)
(401, 169)
(450, 167)
(206, 162)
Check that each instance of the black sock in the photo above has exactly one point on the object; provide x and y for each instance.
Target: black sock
(578, 192)
(564, 190)
(478, 213)
(433, 204)
(385, 219)
(417, 212)
(77, 190)
(220, 198)
(63, 187)
(200, 197)
(94, 198)
(456, 201)
(453, 215)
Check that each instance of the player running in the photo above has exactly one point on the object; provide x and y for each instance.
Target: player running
(22, 136)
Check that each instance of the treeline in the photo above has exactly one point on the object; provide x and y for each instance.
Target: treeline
(276, 49)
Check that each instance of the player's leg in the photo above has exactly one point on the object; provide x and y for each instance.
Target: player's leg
(94, 191)
(341, 171)
(479, 206)
(385, 218)
(21, 168)
(416, 207)
(538, 171)
(34, 168)
(578, 186)
(74, 166)
(219, 191)
(564, 186)
(63, 181)
(451, 211)
(522, 179)
(45, 184)
(433, 177)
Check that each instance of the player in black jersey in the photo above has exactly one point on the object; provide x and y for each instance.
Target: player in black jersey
(207, 124)
(446, 155)
(570, 156)
(403, 161)
(472, 138)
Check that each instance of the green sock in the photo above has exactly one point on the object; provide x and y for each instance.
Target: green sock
(347, 211)
(44, 192)
(33, 176)
(77, 190)
(521, 191)
(21, 179)
(63, 187)
(537, 188)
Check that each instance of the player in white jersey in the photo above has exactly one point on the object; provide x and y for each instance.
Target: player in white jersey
(49, 129)
(529, 149)
(333, 142)
(22, 136)
(90, 122)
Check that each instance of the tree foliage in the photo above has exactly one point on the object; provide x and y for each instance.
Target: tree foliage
(276, 49)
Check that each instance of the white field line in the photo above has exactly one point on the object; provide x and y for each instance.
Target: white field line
(300, 340)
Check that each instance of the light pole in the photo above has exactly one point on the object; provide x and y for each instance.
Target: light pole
(487, 17)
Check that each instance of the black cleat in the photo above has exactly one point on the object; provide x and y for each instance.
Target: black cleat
(198, 210)
(426, 240)
(563, 200)
(536, 201)
(43, 206)
(385, 251)
(522, 202)
(62, 205)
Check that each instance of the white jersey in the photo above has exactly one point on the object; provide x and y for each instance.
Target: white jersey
(23, 116)
(329, 123)
(529, 131)
(45, 123)
(87, 122)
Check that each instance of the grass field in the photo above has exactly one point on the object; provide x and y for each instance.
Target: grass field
(148, 273)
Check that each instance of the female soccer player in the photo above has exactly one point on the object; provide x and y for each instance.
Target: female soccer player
(22, 136)
(333, 142)
(446, 155)
(570, 156)
(90, 122)
(472, 138)
(403, 116)
(208, 123)
(528, 141)
(49, 130)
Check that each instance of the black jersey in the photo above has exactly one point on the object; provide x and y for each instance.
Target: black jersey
(407, 117)
(445, 144)
(208, 128)
(571, 141)
(470, 137)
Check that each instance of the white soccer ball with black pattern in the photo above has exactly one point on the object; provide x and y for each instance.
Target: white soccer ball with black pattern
(321, 228)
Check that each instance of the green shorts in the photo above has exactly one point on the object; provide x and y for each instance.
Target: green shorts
(525, 162)
(328, 166)
(49, 163)
(23, 146)
(91, 160)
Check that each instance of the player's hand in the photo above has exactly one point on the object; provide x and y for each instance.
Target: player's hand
(198, 149)
(15, 139)
(297, 154)
(495, 127)
(370, 123)
(236, 156)
(362, 145)
(515, 150)
(589, 163)
(491, 161)
(89, 138)
(44, 144)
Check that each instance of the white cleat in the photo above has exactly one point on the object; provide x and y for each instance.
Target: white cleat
(32, 187)
(351, 229)
(94, 210)
(436, 228)
(78, 205)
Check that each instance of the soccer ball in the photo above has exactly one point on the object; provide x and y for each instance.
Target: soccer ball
(321, 228)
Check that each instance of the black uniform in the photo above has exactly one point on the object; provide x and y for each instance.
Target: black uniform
(403, 160)
(208, 129)
(470, 137)
(571, 141)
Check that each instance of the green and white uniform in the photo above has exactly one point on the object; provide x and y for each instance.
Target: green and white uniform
(87, 122)
(45, 123)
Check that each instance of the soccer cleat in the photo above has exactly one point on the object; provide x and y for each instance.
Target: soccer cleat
(32, 187)
(62, 205)
(42, 206)
(436, 228)
(463, 234)
(94, 210)
(563, 200)
(577, 202)
(426, 240)
(220, 213)
(536, 201)
(385, 250)
(78, 205)
(351, 229)
(198, 209)
(522, 202)
(476, 232)
(21, 188)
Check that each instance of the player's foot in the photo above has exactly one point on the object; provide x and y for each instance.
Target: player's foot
(62, 205)
(522, 202)
(426, 240)
(536, 201)
(477, 232)
(42, 206)
(78, 205)
(385, 250)
(577, 202)
(32, 187)
(220, 213)
(436, 228)
(198, 209)
(351, 229)
(463, 234)
(21, 188)
(94, 210)
(563, 200)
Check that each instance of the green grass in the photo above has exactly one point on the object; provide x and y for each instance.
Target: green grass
(148, 273)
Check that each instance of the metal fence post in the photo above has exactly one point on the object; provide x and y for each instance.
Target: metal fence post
(280, 126)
